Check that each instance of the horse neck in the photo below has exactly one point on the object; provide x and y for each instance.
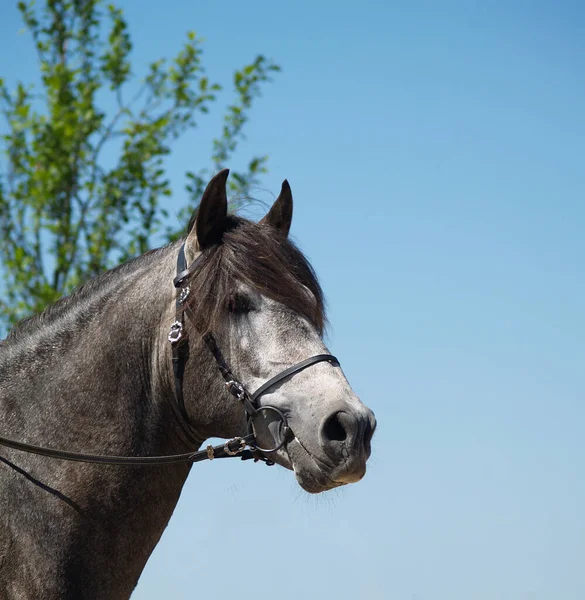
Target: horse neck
(95, 381)
(102, 362)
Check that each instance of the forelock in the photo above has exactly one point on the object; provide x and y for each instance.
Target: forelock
(262, 258)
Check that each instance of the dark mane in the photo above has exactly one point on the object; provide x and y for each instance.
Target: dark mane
(251, 253)
(261, 257)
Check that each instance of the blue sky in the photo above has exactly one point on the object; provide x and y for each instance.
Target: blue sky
(436, 155)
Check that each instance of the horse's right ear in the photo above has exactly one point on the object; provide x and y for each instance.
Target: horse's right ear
(208, 222)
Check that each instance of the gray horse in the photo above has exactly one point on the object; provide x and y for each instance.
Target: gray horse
(94, 373)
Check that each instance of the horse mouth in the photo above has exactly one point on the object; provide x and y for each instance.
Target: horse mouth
(318, 470)
(310, 472)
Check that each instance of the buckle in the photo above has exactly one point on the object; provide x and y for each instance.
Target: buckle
(235, 388)
(240, 448)
(176, 332)
(184, 294)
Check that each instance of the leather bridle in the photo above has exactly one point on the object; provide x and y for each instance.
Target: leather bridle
(233, 385)
(245, 446)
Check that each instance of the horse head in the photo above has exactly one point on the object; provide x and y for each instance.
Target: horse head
(256, 296)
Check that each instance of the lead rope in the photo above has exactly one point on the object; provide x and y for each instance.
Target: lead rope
(228, 449)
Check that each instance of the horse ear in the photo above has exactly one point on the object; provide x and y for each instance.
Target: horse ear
(280, 215)
(211, 215)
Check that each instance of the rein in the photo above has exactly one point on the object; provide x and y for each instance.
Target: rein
(245, 447)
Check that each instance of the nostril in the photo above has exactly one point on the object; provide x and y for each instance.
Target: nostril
(333, 429)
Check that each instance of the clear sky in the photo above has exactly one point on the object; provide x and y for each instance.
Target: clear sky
(436, 153)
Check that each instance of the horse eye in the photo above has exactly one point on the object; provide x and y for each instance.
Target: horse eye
(238, 304)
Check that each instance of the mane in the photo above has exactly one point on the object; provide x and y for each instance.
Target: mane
(257, 255)
(264, 259)
(82, 297)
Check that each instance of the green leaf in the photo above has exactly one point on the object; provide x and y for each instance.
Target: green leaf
(84, 185)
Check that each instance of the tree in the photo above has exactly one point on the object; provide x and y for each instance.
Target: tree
(66, 215)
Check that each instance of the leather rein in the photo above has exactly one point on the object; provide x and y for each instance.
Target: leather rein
(245, 447)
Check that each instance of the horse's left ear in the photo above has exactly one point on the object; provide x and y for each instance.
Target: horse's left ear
(280, 215)
(211, 216)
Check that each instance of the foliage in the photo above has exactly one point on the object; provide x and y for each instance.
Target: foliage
(67, 213)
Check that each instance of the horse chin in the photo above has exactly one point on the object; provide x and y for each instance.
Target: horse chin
(311, 476)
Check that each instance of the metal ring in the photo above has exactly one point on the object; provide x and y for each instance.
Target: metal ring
(282, 432)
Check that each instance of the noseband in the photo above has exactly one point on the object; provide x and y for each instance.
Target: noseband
(234, 386)
(245, 446)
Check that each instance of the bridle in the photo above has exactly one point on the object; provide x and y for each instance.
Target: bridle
(234, 386)
(245, 446)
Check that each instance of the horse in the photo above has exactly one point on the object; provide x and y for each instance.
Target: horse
(134, 368)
